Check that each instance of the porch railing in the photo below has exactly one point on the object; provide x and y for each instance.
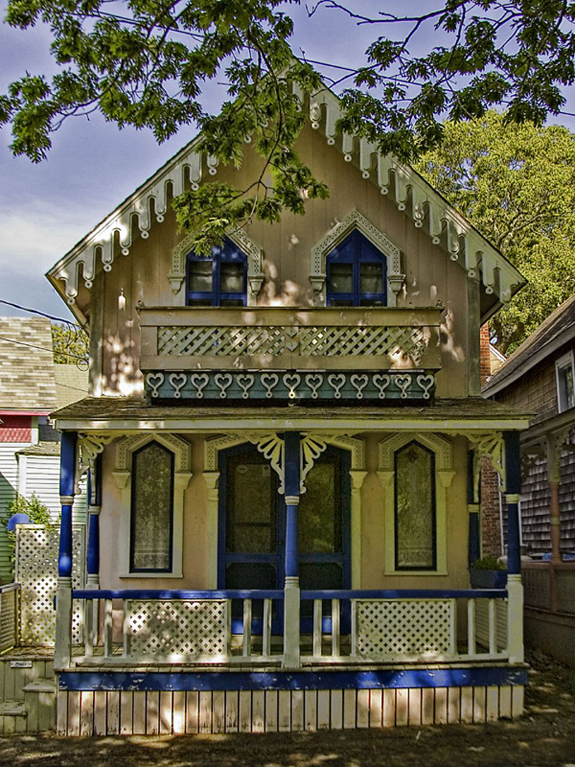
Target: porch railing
(285, 338)
(550, 586)
(181, 626)
(336, 627)
(9, 612)
(407, 626)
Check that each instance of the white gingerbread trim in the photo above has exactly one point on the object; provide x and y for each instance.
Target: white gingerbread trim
(444, 473)
(255, 258)
(356, 220)
(123, 475)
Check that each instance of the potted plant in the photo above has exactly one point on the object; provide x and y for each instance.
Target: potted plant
(488, 573)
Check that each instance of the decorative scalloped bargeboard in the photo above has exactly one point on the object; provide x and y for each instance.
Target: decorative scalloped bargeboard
(282, 385)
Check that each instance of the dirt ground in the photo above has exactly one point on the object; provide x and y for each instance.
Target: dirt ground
(544, 737)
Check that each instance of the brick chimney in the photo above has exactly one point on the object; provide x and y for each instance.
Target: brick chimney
(485, 354)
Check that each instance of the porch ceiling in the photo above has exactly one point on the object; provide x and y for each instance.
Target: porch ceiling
(129, 414)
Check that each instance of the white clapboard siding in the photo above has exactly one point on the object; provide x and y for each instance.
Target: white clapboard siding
(42, 478)
(8, 490)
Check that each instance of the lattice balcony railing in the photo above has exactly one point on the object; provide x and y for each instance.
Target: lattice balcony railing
(202, 338)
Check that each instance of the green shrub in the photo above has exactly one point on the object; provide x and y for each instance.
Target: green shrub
(488, 563)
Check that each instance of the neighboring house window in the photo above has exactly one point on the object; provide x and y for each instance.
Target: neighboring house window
(565, 382)
(356, 273)
(217, 280)
(415, 523)
(152, 517)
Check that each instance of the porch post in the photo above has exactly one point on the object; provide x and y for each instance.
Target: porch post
(291, 657)
(514, 585)
(94, 508)
(64, 592)
(473, 510)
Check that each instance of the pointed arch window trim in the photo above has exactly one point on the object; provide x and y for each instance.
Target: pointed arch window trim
(355, 220)
(356, 252)
(228, 254)
(123, 471)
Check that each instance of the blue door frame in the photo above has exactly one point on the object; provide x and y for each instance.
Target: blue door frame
(277, 558)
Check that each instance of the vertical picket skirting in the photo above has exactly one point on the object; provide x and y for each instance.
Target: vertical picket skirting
(257, 711)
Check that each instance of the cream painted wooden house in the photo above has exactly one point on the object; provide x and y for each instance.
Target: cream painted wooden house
(283, 444)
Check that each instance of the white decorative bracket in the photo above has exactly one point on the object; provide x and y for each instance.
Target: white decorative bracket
(252, 250)
(355, 220)
(89, 447)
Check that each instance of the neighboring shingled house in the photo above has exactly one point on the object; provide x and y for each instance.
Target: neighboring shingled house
(31, 386)
(539, 377)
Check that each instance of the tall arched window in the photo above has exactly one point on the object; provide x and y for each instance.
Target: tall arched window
(356, 273)
(152, 509)
(415, 522)
(219, 279)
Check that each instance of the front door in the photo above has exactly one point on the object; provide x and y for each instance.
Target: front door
(252, 526)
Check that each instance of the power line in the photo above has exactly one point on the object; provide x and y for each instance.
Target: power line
(37, 311)
(43, 348)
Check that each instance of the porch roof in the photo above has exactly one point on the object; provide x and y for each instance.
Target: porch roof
(129, 413)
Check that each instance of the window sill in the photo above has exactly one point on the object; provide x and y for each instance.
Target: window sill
(151, 575)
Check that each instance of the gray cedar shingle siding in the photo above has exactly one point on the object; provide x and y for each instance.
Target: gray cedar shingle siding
(26, 364)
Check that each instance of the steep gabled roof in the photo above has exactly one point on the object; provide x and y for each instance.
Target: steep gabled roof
(26, 365)
(553, 332)
(410, 192)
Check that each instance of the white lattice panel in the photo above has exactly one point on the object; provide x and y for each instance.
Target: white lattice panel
(305, 341)
(178, 627)
(8, 602)
(361, 342)
(408, 627)
(37, 572)
(221, 341)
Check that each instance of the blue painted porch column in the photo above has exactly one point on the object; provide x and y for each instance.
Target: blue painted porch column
(514, 585)
(291, 658)
(474, 551)
(62, 644)
(94, 507)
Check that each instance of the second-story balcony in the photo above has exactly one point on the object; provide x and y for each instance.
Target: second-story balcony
(290, 353)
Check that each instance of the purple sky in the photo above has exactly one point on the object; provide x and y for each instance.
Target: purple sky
(93, 166)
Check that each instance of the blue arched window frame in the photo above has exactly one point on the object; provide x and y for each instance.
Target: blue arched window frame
(227, 253)
(356, 251)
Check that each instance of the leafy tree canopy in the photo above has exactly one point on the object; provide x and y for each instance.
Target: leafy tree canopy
(145, 63)
(516, 184)
(70, 345)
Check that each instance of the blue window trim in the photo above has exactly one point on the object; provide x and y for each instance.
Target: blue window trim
(133, 512)
(356, 250)
(227, 253)
(433, 566)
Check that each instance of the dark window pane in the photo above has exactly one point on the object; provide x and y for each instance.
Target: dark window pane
(231, 277)
(254, 575)
(415, 508)
(341, 302)
(370, 302)
(317, 514)
(251, 504)
(231, 302)
(199, 302)
(200, 276)
(152, 501)
(341, 278)
(371, 278)
(568, 390)
(320, 575)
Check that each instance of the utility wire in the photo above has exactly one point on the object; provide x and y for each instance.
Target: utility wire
(37, 311)
(43, 348)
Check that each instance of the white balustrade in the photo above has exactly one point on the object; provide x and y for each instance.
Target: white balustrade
(9, 609)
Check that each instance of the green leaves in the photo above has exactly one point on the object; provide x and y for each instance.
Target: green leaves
(516, 184)
(145, 63)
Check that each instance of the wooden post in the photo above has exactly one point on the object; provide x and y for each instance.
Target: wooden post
(291, 656)
(62, 647)
(473, 551)
(514, 585)
(93, 551)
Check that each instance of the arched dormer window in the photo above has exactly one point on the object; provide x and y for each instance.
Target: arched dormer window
(356, 273)
(217, 280)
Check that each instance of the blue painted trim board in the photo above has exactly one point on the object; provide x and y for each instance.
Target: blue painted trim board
(284, 680)
(279, 594)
